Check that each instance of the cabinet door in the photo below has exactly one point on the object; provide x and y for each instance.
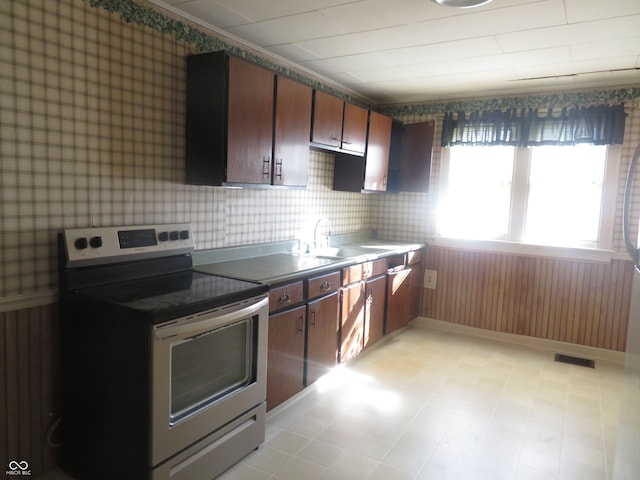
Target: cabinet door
(250, 123)
(354, 130)
(378, 147)
(327, 119)
(403, 298)
(322, 337)
(285, 360)
(375, 293)
(205, 119)
(291, 140)
(415, 287)
(415, 166)
(351, 321)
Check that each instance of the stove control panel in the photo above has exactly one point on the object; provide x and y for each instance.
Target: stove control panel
(99, 245)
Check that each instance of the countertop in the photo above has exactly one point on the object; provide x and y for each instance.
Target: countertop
(277, 263)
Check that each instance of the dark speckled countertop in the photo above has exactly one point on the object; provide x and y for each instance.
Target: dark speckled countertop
(276, 263)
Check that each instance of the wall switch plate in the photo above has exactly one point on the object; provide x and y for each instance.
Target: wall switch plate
(430, 278)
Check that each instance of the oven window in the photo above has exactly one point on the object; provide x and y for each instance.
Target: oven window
(210, 366)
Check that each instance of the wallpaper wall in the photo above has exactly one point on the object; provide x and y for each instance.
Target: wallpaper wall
(91, 133)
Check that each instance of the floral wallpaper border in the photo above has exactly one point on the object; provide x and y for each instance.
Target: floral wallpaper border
(566, 99)
(132, 12)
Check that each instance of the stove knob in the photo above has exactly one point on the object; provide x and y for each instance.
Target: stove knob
(174, 235)
(81, 243)
(163, 236)
(184, 234)
(95, 242)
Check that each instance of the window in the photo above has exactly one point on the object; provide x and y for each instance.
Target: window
(478, 194)
(543, 195)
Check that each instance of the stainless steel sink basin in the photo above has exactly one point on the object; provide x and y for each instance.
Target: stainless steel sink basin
(344, 252)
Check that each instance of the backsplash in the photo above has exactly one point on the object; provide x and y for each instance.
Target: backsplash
(92, 134)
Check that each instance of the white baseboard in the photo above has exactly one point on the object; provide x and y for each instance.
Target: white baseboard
(541, 343)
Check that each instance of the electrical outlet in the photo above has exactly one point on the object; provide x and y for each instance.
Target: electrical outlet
(430, 278)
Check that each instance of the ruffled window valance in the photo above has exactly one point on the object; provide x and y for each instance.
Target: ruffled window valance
(599, 125)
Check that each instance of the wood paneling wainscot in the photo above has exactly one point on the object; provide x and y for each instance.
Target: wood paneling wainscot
(571, 301)
(29, 384)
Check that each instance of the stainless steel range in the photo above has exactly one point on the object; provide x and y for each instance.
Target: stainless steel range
(164, 368)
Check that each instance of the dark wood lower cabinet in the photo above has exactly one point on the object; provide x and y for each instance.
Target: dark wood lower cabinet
(362, 317)
(285, 361)
(403, 298)
(375, 290)
(351, 321)
(322, 337)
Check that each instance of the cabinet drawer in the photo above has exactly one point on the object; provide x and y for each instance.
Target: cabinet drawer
(396, 262)
(286, 295)
(323, 285)
(362, 271)
(415, 257)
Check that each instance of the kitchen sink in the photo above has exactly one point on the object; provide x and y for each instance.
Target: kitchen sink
(344, 252)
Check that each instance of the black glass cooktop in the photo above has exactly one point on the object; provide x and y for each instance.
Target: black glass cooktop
(175, 294)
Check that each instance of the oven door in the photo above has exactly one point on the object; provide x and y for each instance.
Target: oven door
(207, 370)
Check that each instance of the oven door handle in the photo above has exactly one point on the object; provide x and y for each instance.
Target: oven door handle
(194, 326)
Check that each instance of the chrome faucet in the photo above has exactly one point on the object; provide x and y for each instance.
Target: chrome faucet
(317, 244)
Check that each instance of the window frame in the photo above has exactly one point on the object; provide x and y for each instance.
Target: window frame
(514, 243)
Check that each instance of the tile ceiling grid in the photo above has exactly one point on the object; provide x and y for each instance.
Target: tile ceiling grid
(413, 50)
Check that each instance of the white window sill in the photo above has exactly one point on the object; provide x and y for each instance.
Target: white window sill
(515, 248)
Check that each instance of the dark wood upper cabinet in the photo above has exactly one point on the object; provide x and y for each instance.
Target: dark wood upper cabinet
(410, 158)
(250, 123)
(377, 157)
(291, 138)
(244, 125)
(327, 120)
(337, 125)
(368, 173)
(354, 128)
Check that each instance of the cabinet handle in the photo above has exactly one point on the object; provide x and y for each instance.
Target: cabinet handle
(284, 299)
(346, 142)
(279, 168)
(325, 286)
(369, 297)
(313, 321)
(384, 180)
(335, 139)
(301, 327)
(366, 272)
(266, 163)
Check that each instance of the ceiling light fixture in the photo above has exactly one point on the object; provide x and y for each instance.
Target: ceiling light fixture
(461, 3)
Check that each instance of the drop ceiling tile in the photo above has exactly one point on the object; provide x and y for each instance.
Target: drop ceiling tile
(259, 10)
(490, 22)
(470, 67)
(605, 49)
(587, 10)
(212, 13)
(602, 30)
(376, 14)
(582, 67)
(469, 48)
(353, 43)
(286, 29)
(347, 63)
(293, 52)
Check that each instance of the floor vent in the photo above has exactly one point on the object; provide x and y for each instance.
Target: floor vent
(581, 362)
